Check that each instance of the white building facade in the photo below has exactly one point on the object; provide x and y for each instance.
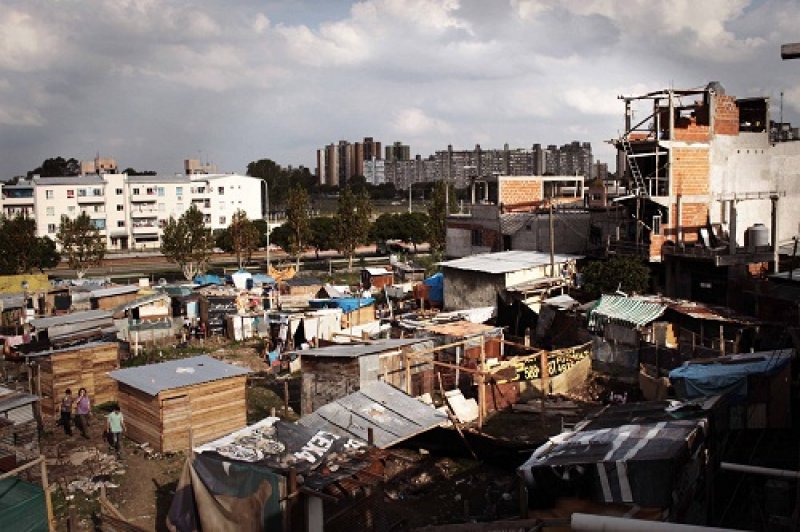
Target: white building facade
(131, 211)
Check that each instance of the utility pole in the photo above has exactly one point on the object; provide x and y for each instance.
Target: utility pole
(409, 197)
(552, 243)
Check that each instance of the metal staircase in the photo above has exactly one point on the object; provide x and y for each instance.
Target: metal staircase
(639, 187)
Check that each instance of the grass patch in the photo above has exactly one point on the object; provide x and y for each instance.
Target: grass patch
(261, 401)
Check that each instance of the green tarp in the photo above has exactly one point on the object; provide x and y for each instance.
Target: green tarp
(22, 506)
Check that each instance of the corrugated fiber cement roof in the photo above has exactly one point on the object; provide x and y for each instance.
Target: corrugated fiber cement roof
(624, 310)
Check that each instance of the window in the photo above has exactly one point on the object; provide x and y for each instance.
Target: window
(99, 208)
(135, 191)
(51, 228)
(70, 193)
(48, 194)
(81, 192)
(99, 223)
(179, 192)
(221, 191)
(120, 208)
(161, 191)
(477, 237)
(221, 204)
(207, 218)
(51, 211)
(97, 192)
(207, 204)
(222, 220)
(71, 208)
(119, 192)
(151, 191)
(121, 223)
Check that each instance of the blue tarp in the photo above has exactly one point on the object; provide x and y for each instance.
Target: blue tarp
(347, 304)
(436, 284)
(208, 279)
(727, 374)
(260, 278)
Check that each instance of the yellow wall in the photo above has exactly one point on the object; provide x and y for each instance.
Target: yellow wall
(37, 282)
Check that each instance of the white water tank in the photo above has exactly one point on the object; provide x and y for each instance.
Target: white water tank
(756, 236)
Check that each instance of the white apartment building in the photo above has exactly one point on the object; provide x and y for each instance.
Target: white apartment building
(131, 211)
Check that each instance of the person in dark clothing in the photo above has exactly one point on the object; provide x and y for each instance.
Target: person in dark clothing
(66, 412)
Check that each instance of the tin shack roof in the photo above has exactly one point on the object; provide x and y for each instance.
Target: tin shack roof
(10, 399)
(460, 329)
(112, 291)
(392, 415)
(359, 350)
(155, 378)
(73, 317)
(505, 261)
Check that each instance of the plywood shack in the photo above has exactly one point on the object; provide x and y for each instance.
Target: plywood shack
(177, 404)
(19, 434)
(111, 297)
(332, 372)
(82, 366)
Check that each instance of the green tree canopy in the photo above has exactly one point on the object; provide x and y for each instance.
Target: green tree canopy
(297, 222)
(188, 242)
(21, 250)
(81, 243)
(353, 222)
(133, 171)
(280, 180)
(323, 234)
(57, 167)
(243, 236)
(280, 237)
(437, 211)
(627, 274)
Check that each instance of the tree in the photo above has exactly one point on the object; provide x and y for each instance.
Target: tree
(353, 222)
(281, 180)
(132, 171)
(414, 227)
(57, 167)
(21, 250)
(437, 210)
(243, 236)
(81, 243)
(386, 227)
(323, 234)
(188, 242)
(626, 274)
(280, 237)
(297, 222)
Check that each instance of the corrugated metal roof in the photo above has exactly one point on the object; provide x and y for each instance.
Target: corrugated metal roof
(115, 290)
(10, 301)
(625, 310)
(10, 399)
(392, 415)
(67, 349)
(74, 317)
(138, 302)
(71, 180)
(460, 329)
(505, 261)
(155, 378)
(358, 350)
(377, 271)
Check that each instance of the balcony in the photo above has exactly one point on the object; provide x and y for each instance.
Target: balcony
(144, 198)
(144, 213)
(145, 229)
(18, 200)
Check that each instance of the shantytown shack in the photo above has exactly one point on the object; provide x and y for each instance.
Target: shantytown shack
(81, 366)
(177, 404)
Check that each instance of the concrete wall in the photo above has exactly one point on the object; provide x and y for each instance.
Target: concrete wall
(467, 289)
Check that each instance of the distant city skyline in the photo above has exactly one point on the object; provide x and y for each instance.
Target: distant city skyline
(151, 84)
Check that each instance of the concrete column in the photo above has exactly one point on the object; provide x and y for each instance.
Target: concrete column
(315, 520)
(732, 227)
(678, 219)
(775, 246)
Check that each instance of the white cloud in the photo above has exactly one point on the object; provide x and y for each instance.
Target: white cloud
(414, 122)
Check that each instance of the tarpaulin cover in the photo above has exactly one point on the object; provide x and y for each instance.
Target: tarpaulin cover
(726, 374)
(279, 446)
(630, 463)
(260, 278)
(436, 284)
(347, 304)
(208, 279)
(222, 495)
(22, 506)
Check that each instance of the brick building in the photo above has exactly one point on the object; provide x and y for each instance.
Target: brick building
(705, 184)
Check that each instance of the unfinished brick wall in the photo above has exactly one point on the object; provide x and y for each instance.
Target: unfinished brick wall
(726, 116)
(513, 191)
(688, 130)
(690, 169)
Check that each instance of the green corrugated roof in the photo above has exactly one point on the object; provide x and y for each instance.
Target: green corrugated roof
(623, 310)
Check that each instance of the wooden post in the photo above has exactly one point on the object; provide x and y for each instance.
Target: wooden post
(481, 382)
(407, 368)
(286, 398)
(47, 501)
(721, 340)
(370, 435)
(543, 374)
(291, 496)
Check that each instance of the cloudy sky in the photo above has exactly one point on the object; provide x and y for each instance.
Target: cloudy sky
(151, 82)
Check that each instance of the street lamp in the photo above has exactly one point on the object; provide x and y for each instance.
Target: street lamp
(266, 188)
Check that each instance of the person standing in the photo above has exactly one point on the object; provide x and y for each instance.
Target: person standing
(66, 412)
(115, 426)
(82, 409)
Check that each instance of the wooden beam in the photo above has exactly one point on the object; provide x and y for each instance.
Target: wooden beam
(790, 51)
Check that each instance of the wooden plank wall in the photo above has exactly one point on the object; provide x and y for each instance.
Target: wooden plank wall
(215, 408)
(79, 368)
(142, 415)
